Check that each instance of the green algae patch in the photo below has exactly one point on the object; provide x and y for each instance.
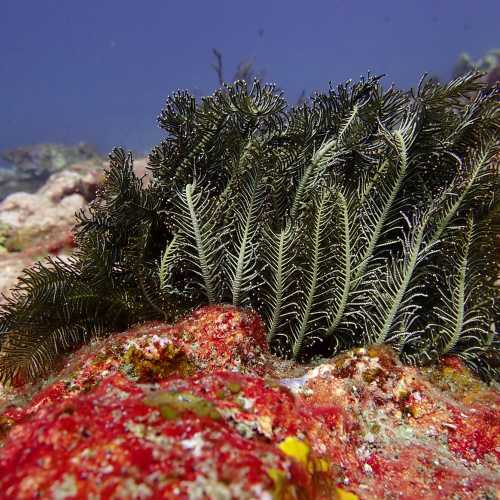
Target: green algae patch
(20, 239)
(154, 358)
(173, 405)
(234, 387)
(5, 231)
(453, 376)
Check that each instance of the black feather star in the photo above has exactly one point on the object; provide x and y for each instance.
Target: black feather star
(361, 216)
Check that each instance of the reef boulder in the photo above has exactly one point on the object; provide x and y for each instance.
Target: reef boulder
(36, 224)
(201, 409)
(27, 168)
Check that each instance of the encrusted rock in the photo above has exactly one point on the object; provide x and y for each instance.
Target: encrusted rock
(200, 409)
(28, 168)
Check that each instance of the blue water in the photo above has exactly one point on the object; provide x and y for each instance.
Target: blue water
(99, 71)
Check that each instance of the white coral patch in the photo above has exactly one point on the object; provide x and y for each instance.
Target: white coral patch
(66, 488)
(194, 443)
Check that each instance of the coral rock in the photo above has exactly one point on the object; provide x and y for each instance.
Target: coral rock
(200, 409)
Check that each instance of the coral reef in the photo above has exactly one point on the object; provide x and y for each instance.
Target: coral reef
(153, 412)
(27, 168)
(35, 225)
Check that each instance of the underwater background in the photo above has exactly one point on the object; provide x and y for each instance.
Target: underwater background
(213, 287)
(99, 72)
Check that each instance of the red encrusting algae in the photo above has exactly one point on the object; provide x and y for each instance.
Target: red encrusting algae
(201, 409)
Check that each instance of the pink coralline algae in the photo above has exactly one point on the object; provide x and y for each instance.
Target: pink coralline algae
(201, 410)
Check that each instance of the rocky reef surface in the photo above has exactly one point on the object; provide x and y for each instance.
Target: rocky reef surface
(34, 225)
(201, 409)
(28, 168)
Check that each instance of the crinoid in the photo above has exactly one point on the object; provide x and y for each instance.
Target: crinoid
(361, 216)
